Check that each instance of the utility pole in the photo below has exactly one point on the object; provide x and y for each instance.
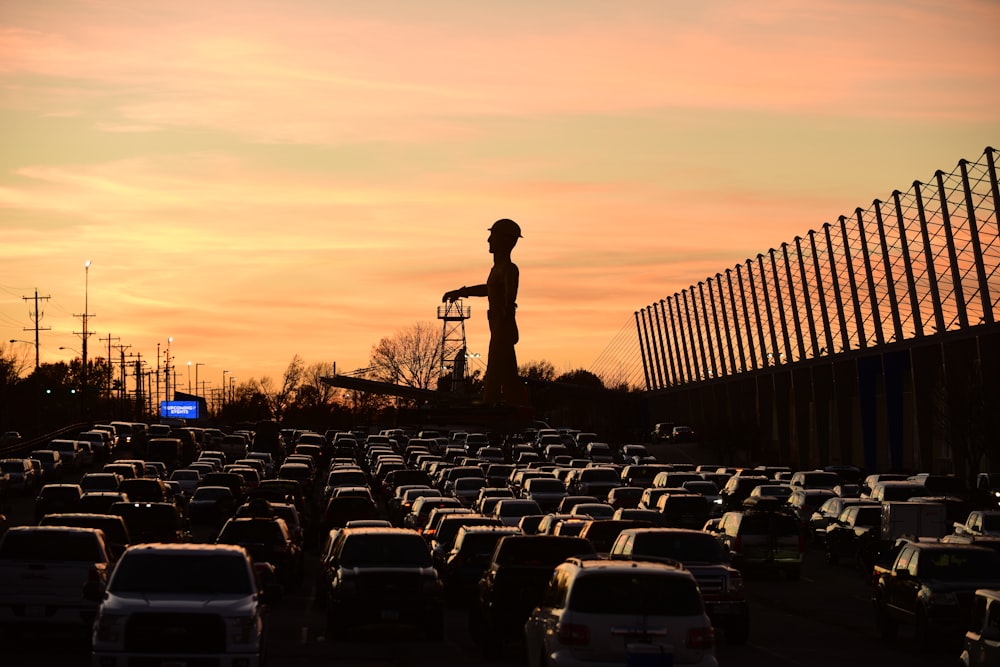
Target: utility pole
(36, 317)
(110, 367)
(84, 335)
(122, 393)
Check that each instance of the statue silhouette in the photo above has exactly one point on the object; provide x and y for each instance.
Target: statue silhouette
(502, 385)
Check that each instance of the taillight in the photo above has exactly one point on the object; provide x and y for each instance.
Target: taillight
(573, 634)
(701, 638)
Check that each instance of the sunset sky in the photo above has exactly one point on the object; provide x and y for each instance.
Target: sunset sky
(264, 179)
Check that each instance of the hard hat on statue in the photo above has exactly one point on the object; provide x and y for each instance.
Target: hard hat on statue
(506, 227)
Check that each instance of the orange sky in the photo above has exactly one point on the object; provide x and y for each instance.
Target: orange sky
(264, 179)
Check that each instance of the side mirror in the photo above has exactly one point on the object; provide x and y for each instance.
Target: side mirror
(93, 591)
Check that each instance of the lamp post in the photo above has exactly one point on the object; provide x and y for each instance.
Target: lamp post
(224, 373)
(166, 373)
(189, 377)
(196, 378)
(86, 335)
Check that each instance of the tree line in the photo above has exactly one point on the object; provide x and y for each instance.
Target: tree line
(38, 400)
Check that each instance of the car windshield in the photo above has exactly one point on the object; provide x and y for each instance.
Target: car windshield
(547, 485)
(211, 493)
(685, 547)
(540, 551)
(385, 549)
(991, 522)
(965, 564)
(636, 594)
(766, 523)
(599, 475)
(150, 572)
(242, 532)
(44, 545)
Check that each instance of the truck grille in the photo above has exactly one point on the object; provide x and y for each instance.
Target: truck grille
(175, 634)
(711, 584)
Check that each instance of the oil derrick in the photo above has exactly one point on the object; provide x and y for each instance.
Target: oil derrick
(453, 315)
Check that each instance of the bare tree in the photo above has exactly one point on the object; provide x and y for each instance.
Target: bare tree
(279, 399)
(13, 365)
(312, 377)
(411, 357)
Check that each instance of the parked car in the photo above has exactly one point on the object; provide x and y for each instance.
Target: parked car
(211, 505)
(182, 604)
(608, 612)
(829, 512)
(20, 475)
(510, 510)
(981, 644)
(684, 510)
(930, 586)
(115, 531)
(267, 539)
(701, 554)
(514, 582)
(468, 558)
(152, 522)
(854, 536)
(54, 498)
(45, 572)
(377, 576)
(548, 492)
(768, 540)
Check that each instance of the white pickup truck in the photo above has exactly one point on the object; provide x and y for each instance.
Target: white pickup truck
(52, 575)
(980, 523)
(176, 604)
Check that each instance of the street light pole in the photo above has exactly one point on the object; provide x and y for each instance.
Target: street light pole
(86, 335)
(166, 373)
(224, 373)
(196, 378)
(189, 377)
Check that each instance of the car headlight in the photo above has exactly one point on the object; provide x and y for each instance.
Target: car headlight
(346, 586)
(735, 584)
(242, 629)
(108, 627)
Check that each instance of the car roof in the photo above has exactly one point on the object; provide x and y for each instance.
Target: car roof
(598, 565)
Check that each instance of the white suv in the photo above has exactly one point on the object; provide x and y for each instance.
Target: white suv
(599, 612)
(181, 604)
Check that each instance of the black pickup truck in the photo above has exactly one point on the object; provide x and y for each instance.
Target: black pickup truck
(930, 585)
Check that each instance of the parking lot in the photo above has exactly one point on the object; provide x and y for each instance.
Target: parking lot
(823, 619)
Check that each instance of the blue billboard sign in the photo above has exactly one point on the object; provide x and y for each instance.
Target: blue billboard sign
(179, 409)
